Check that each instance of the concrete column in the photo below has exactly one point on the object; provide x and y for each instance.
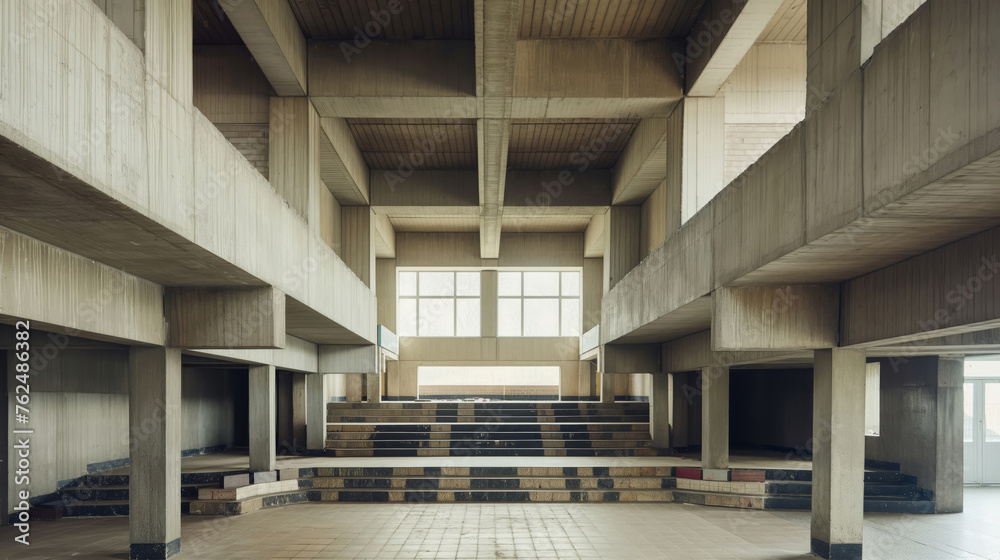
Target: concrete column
(659, 411)
(262, 419)
(715, 417)
(354, 382)
(298, 410)
(950, 473)
(316, 387)
(154, 452)
(838, 453)
(374, 381)
(678, 409)
(607, 388)
(293, 156)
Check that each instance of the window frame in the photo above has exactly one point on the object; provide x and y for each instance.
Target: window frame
(560, 298)
(455, 297)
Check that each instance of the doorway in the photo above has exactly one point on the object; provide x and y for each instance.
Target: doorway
(982, 430)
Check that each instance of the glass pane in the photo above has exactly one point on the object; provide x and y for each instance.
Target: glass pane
(406, 317)
(571, 317)
(969, 411)
(437, 316)
(991, 414)
(437, 284)
(570, 283)
(541, 283)
(509, 283)
(541, 317)
(407, 283)
(509, 317)
(467, 283)
(467, 317)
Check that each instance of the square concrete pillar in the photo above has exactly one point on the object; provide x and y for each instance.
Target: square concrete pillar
(154, 452)
(607, 388)
(679, 391)
(354, 382)
(950, 459)
(838, 453)
(374, 392)
(715, 417)
(316, 389)
(262, 419)
(659, 411)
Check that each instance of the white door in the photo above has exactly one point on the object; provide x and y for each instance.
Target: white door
(982, 431)
(991, 432)
(970, 435)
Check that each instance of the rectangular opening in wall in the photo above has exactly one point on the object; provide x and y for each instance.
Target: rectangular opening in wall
(509, 383)
(873, 394)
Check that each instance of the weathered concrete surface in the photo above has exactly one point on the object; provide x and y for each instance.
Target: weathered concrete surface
(715, 417)
(262, 418)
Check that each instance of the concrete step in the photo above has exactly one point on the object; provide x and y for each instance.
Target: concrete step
(115, 493)
(481, 419)
(494, 405)
(470, 451)
(873, 504)
(487, 435)
(434, 427)
(497, 443)
(495, 483)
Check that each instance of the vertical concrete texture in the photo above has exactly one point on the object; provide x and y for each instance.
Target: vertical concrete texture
(154, 452)
(262, 418)
(838, 453)
(715, 417)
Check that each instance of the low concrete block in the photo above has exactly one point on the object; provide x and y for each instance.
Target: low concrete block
(265, 476)
(688, 472)
(288, 474)
(719, 475)
(236, 480)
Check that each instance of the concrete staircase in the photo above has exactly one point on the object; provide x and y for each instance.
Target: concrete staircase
(203, 494)
(495, 429)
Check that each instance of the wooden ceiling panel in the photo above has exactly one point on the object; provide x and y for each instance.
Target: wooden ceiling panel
(547, 19)
(417, 19)
(788, 25)
(567, 144)
(211, 26)
(422, 143)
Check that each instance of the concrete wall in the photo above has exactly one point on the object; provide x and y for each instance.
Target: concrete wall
(908, 419)
(79, 408)
(770, 408)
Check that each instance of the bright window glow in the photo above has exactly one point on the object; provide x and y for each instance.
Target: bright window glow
(438, 303)
(538, 303)
(504, 382)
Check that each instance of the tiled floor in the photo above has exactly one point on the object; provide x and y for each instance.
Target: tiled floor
(618, 531)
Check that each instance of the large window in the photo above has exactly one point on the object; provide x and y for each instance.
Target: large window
(438, 303)
(538, 303)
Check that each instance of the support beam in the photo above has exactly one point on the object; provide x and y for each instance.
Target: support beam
(790, 317)
(715, 417)
(225, 317)
(385, 237)
(374, 387)
(941, 293)
(272, 34)
(699, 154)
(342, 166)
(643, 164)
(694, 351)
(262, 419)
(679, 400)
(629, 358)
(725, 31)
(496, 40)
(316, 389)
(154, 452)
(348, 358)
(838, 453)
(94, 300)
